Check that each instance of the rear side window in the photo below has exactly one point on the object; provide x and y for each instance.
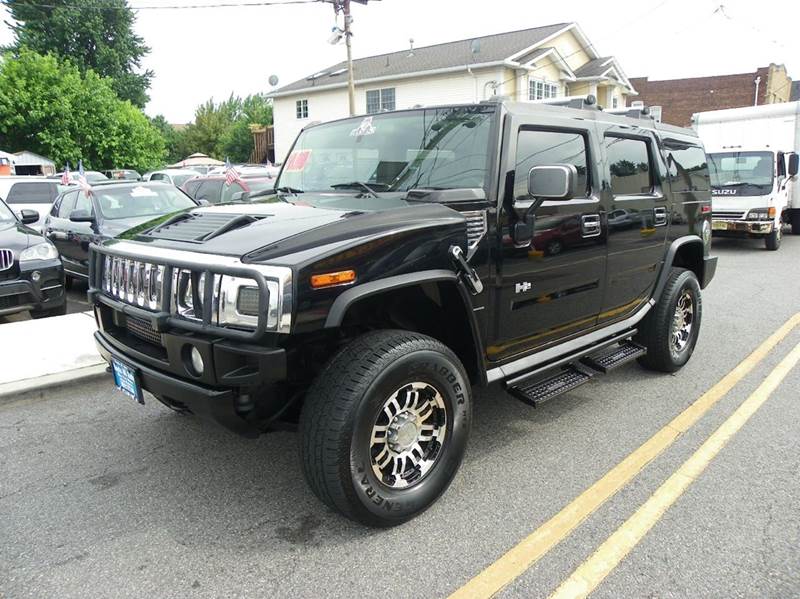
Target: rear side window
(210, 191)
(629, 163)
(191, 188)
(158, 177)
(688, 168)
(33, 192)
(538, 148)
(67, 204)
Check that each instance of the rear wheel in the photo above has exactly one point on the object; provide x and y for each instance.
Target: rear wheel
(670, 330)
(795, 221)
(773, 240)
(384, 427)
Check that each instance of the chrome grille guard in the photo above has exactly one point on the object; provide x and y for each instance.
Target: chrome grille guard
(136, 266)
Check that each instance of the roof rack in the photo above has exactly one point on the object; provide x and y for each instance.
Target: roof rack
(580, 102)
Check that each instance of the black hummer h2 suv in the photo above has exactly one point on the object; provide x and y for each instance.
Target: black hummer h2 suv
(403, 258)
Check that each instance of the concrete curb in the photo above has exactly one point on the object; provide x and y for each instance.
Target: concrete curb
(15, 388)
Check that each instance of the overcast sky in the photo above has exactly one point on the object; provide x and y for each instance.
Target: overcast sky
(202, 53)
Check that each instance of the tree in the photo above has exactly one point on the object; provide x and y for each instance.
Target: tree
(49, 107)
(93, 34)
(174, 140)
(223, 130)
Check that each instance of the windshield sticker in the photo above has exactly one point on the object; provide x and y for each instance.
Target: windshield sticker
(365, 128)
(143, 192)
(297, 161)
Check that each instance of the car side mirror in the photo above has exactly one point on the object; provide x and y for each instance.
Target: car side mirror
(28, 217)
(794, 162)
(81, 216)
(202, 202)
(240, 196)
(552, 182)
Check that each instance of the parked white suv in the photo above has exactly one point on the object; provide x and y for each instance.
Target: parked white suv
(30, 193)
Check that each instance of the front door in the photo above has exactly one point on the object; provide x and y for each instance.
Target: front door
(638, 218)
(75, 253)
(553, 287)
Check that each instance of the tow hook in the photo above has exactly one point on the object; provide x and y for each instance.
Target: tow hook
(469, 275)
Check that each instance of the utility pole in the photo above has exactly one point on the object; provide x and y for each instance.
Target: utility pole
(351, 84)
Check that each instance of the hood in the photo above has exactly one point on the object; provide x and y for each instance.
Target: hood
(16, 236)
(259, 231)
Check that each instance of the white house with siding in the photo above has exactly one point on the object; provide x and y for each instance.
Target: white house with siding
(527, 65)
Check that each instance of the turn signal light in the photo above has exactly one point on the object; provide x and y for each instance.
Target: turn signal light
(772, 212)
(330, 279)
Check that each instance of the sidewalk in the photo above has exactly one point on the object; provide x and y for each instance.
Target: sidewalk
(36, 354)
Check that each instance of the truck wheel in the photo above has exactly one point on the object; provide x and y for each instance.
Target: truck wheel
(773, 240)
(795, 220)
(385, 426)
(670, 330)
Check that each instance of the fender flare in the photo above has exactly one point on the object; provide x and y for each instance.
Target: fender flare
(365, 290)
(670, 258)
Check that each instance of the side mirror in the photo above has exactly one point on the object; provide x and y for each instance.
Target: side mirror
(552, 182)
(792, 167)
(81, 216)
(240, 196)
(28, 217)
(202, 202)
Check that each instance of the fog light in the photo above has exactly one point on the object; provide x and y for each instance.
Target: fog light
(197, 361)
(35, 276)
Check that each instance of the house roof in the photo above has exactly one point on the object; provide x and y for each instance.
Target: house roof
(595, 68)
(495, 48)
(27, 158)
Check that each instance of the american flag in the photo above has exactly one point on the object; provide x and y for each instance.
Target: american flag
(231, 174)
(87, 189)
(65, 180)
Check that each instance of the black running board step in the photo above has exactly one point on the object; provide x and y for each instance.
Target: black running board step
(538, 390)
(615, 356)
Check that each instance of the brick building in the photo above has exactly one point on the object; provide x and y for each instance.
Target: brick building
(680, 98)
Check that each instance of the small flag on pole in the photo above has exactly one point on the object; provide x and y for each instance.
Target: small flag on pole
(231, 174)
(82, 179)
(65, 180)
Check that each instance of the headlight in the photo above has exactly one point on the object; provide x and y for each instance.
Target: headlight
(40, 251)
(240, 301)
(759, 214)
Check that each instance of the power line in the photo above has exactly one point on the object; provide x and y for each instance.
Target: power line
(84, 7)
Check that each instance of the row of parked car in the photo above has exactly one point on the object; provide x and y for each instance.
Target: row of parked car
(46, 227)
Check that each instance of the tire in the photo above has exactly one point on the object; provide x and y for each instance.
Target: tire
(554, 247)
(340, 446)
(795, 220)
(665, 353)
(773, 240)
(68, 280)
(60, 311)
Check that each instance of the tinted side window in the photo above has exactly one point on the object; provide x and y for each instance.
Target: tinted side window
(227, 193)
(191, 187)
(210, 191)
(537, 148)
(31, 193)
(158, 177)
(84, 202)
(67, 204)
(629, 163)
(688, 169)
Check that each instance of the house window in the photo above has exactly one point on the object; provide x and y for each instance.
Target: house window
(541, 90)
(614, 102)
(380, 100)
(302, 109)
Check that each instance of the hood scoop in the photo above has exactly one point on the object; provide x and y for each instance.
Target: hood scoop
(199, 227)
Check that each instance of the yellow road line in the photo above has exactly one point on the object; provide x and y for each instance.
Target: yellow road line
(608, 556)
(528, 551)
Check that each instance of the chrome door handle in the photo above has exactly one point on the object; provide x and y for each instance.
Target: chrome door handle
(660, 216)
(590, 225)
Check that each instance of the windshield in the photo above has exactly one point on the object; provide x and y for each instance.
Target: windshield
(130, 202)
(6, 216)
(441, 148)
(750, 172)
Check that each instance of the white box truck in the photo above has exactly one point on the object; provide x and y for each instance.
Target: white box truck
(753, 163)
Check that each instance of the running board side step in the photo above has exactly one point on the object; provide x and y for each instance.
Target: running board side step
(564, 376)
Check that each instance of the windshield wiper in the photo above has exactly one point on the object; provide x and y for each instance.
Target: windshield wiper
(287, 189)
(368, 187)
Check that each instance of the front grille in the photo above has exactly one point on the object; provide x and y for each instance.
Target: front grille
(731, 214)
(143, 330)
(6, 259)
(134, 282)
(476, 226)
(11, 301)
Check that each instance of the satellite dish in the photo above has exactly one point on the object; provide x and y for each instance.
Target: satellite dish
(273, 80)
(475, 47)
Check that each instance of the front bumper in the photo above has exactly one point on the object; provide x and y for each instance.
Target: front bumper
(22, 292)
(744, 227)
(240, 387)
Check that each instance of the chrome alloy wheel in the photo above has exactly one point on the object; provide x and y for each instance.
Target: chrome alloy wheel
(408, 435)
(682, 321)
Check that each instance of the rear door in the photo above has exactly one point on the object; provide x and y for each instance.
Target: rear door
(552, 288)
(637, 233)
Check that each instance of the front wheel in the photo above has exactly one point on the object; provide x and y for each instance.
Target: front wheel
(670, 330)
(773, 240)
(384, 427)
(794, 219)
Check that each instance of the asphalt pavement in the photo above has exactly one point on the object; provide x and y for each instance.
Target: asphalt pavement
(102, 497)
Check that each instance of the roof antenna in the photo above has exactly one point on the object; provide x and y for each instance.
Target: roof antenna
(411, 51)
